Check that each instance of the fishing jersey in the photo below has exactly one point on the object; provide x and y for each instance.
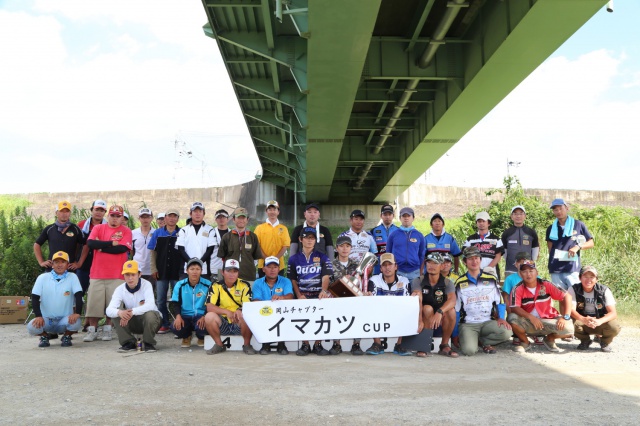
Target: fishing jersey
(191, 300)
(399, 287)
(308, 272)
(361, 243)
(444, 243)
(476, 297)
(490, 246)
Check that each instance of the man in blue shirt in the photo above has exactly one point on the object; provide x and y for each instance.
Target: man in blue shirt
(439, 241)
(381, 233)
(407, 246)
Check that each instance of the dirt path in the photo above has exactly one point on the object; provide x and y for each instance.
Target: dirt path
(92, 383)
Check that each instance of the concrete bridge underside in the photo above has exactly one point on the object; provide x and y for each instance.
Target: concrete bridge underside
(350, 101)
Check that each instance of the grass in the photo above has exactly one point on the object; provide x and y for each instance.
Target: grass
(8, 203)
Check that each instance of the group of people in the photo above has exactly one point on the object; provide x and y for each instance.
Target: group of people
(210, 272)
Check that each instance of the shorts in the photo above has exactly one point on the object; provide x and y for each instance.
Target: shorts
(99, 296)
(549, 326)
(227, 328)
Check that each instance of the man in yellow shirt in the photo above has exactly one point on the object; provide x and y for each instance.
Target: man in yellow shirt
(273, 236)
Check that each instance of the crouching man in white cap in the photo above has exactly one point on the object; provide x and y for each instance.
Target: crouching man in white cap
(134, 310)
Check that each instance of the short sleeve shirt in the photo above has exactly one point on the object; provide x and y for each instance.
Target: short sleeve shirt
(56, 297)
(107, 266)
(262, 291)
(231, 299)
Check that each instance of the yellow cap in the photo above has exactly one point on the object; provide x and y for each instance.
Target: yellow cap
(130, 267)
(64, 205)
(60, 255)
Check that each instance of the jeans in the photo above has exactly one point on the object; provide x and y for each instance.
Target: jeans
(188, 327)
(54, 325)
(411, 275)
(162, 286)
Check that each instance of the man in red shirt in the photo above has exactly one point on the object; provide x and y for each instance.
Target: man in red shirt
(111, 243)
(532, 313)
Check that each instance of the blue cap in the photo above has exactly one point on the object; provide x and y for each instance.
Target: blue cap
(308, 231)
(558, 202)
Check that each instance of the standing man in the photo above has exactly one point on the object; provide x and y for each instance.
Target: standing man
(160, 220)
(141, 237)
(243, 245)
(518, 238)
(166, 263)
(111, 243)
(594, 310)
(62, 236)
(309, 271)
(477, 299)
(381, 233)
(222, 227)
(361, 241)
(53, 296)
(490, 245)
(197, 239)
(324, 242)
(134, 311)
(188, 305)
(273, 236)
(98, 210)
(564, 245)
(407, 246)
(439, 241)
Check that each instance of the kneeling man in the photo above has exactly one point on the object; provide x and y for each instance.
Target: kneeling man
(532, 313)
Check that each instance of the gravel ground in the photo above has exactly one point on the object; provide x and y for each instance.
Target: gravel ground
(92, 383)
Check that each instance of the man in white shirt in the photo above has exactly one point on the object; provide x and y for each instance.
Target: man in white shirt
(197, 239)
(361, 241)
(141, 237)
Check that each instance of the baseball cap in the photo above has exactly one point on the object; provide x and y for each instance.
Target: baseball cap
(523, 255)
(386, 209)
(483, 216)
(271, 259)
(387, 257)
(197, 205)
(557, 202)
(343, 239)
(116, 210)
(407, 210)
(446, 257)
(130, 267)
(99, 203)
(60, 255)
(357, 212)
(144, 211)
(126, 215)
(589, 268)
(312, 206)
(64, 205)
(240, 211)
(231, 264)
(436, 216)
(161, 215)
(222, 212)
(518, 207)
(528, 264)
(273, 203)
(435, 257)
(194, 260)
(171, 211)
(472, 251)
(308, 231)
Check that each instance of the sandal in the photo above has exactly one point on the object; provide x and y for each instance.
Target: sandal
(450, 353)
(488, 349)
(421, 354)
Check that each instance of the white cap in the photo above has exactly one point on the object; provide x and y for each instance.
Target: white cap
(144, 211)
(483, 216)
(231, 264)
(271, 259)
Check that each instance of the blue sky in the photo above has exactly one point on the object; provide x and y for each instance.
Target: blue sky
(94, 96)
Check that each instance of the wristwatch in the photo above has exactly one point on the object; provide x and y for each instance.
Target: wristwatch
(440, 312)
(567, 317)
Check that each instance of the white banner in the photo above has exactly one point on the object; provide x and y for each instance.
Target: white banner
(343, 318)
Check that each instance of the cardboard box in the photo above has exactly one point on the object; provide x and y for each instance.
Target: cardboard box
(13, 309)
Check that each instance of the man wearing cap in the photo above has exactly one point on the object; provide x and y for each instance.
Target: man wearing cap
(477, 300)
(62, 236)
(440, 241)
(197, 239)
(564, 241)
(188, 305)
(381, 232)
(593, 310)
(446, 268)
(166, 263)
(98, 211)
(438, 300)
(324, 242)
(532, 313)
(407, 245)
(125, 218)
(361, 241)
(518, 238)
(224, 309)
(309, 271)
(52, 298)
(133, 310)
(243, 245)
(273, 236)
(222, 227)
(111, 243)
(272, 286)
(490, 245)
(160, 219)
(141, 237)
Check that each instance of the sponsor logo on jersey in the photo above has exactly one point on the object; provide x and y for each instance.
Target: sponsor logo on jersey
(237, 292)
(199, 294)
(308, 269)
(316, 260)
(279, 290)
(141, 302)
(413, 240)
(69, 234)
(67, 293)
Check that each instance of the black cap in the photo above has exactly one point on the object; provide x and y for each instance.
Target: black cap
(357, 212)
(436, 216)
(386, 209)
(312, 206)
(342, 239)
(523, 255)
(309, 230)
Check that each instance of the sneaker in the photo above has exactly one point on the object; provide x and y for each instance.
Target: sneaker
(355, 349)
(216, 349)
(319, 350)
(550, 345)
(148, 347)
(584, 345)
(515, 341)
(375, 349)
(304, 350)
(44, 342)
(163, 330)
(127, 347)
(399, 350)
(282, 349)
(106, 333)
(538, 340)
(66, 341)
(606, 348)
(336, 349)
(265, 349)
(201, 343)
(91, 335)
(522, 348)
(249, 350)
(186, 342)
